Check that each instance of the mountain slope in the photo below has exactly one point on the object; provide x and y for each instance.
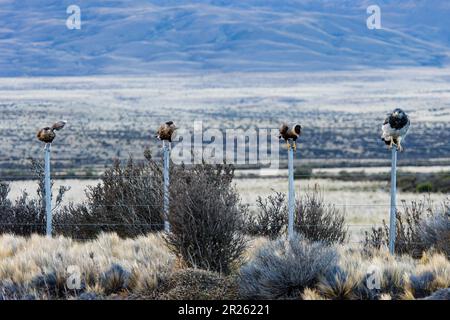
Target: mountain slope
(141, 37)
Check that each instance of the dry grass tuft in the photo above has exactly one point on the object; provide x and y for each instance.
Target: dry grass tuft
(345, 280)
(311, 294)
(144, 268)
(278, 271)
(430, 275)
(107, 265)
(284, 268)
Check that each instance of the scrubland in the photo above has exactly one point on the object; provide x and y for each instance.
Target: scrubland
(144, 268)
(112, 245)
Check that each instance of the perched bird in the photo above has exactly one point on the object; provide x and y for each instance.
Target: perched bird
(394, 128)
(47, 134)
(166, 131)
(290, 133)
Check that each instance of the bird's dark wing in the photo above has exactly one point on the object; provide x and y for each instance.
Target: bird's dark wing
(165, 132)
(284, 128)
(46, 135)
(59, 125)
(398, 123)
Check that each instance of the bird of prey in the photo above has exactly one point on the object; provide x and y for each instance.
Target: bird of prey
(394, 128)
(47, 134)
(290, 134)
(166, 131)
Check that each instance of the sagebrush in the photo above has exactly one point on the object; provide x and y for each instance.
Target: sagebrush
(26, 215)
(128, 201)
(206, 218)
(313, 218)
(420, 226)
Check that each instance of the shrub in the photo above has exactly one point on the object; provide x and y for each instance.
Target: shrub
(206, 218)
(128, 201)
(435, 232)
(318, 221)
(303, 172)
(419, 227)
(425, 182)
(314, 219)
(271, 217)
(407, 234)
(284, 268)
(26, 216)
(424, 187)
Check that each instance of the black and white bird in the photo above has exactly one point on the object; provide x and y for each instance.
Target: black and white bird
(394, 128)
(290, 133)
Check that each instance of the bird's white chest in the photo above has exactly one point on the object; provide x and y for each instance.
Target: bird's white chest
(388, 131)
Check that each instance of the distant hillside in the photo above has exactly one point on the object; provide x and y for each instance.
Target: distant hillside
(141, 37)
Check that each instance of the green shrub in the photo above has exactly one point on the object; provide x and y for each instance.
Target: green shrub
(303, 172)
(424, 187)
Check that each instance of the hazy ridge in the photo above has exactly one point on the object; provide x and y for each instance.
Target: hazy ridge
(143, 37)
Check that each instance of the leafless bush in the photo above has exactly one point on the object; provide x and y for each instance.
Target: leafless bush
(419, 227)
(271, 217)
(314, 219)
(318, 221)
(128, 201)
(206, 217)
(284, 268)
(25, 215)
(435, 232)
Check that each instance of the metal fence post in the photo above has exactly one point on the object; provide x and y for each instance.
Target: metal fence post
(166, 151)
(48, 191)
(291, 197)
(392, 225)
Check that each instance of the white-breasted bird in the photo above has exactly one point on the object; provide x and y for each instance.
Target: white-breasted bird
(394, 128)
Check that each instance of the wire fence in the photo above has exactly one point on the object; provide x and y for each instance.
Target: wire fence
(354, 229)
(320, 175)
